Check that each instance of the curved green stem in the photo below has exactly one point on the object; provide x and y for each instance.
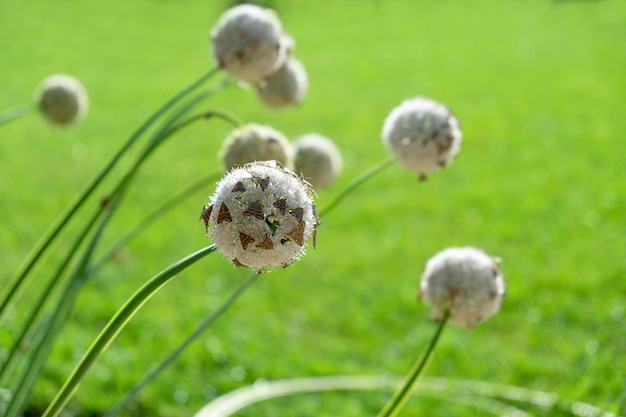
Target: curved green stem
(152, 217)
(115, 325)
(393, 407)
(356, 183)
(53, 325)
(44, 243)
(201, 328)
(17, 112)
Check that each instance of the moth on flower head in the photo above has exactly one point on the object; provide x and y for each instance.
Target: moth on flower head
(62, 99)
(249, 42)
(422, 135)
(464, 281)
(261, 216)
(254, 142)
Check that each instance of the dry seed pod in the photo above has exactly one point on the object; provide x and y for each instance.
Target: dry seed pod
(317, 159)
(465, 281)
(254, 142)
(286, 87)
(249, 42)
(422, 135)
(62, 99)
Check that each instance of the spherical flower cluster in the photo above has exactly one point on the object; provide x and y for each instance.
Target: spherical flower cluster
(254, 142)
(464, 281)
(261, 216)
(317, 159)
(62, 99)
(422, 135)
(286, 87)
(249, 42)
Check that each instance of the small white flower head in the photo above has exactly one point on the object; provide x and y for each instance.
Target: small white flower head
(317, 159)
(62, 99)
(254, 142)
(249, 42)
(465, 281)
(286, 87)
(261, 216)
(422, 135)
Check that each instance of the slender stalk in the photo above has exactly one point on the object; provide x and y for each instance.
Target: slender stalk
(35, 313)
(358, 181)
(201, 328)
(399, 398)
(115, 325)
(53, 325)
(17, 112)
(44, 243)
(151, 218)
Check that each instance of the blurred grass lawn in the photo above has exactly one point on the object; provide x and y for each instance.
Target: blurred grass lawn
(540, 90)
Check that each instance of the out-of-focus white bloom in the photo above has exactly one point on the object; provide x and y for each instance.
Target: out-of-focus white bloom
(422, 135)
(261, 216)
(62, 99)
(249, 42)
(465, 281)
(254, 142)
(286, 87)
(317, 159)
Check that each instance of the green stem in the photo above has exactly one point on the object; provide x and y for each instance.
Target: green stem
(53, 325)
(44, 243)
(17, 112)
(393, 407)
(356, 183)
(151, 218)
(201, 328)
(26, 328)
(115, 325)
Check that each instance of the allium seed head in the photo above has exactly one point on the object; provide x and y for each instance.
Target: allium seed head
(422, 135)
(317, 159)
(62, 99)
(286, 87)
(465, 281)
(254, 142)
(249, 42)
(261, 216)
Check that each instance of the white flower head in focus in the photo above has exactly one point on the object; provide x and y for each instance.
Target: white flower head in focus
(62, 99)
(422, 135)
(261, 216)
(254, 142)
(317, 159)
(464, 281)
(249, 42)
(286, 87)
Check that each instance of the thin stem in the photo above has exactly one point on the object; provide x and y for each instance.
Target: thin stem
(356, 183)
(201, 328)
(44, 243)
(53, 325)
(393, 407)
(17, 112)
(115, 325)
(18, 344)
(152, 217)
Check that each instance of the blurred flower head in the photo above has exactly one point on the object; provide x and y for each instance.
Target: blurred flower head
(62, 99)
(317, 159)
(249, 42)
(254, 142)
(465, 281)
(261, 216)
(422, 135)
(286, 87)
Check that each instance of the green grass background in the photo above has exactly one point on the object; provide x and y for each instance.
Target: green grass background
(540, 90)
